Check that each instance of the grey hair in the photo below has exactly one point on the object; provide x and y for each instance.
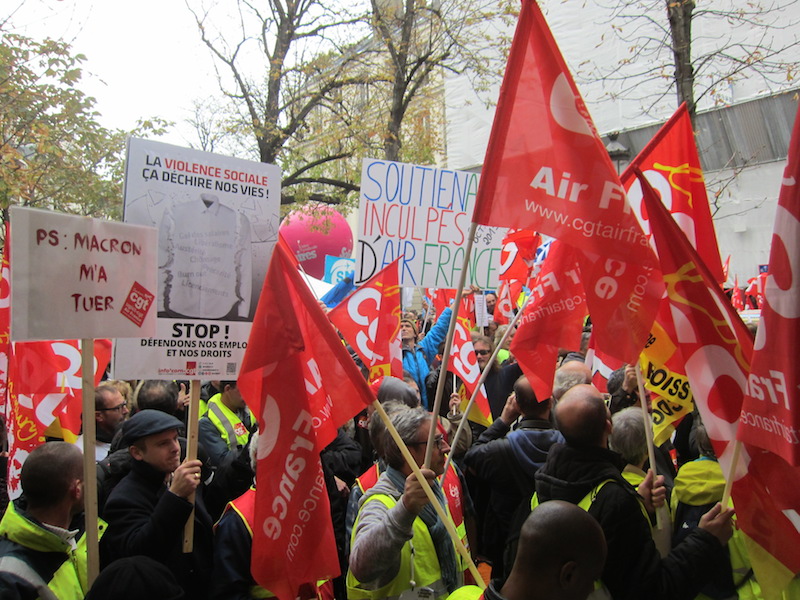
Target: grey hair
(406, 420)
(253, 450)
(628, 436)
(566, 379)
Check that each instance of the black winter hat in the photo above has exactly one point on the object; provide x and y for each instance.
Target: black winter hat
(147, 422)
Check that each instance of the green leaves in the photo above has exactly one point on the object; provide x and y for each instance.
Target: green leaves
(53, 151)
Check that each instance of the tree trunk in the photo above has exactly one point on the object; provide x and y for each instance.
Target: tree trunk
(680, 24)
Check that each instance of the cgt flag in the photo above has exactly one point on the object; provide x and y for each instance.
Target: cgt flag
(771, 410)
(464, 364)
(369, 319)
(298, 379)
(671, 164)
(714, 342)
(44, 396)
(547, 170)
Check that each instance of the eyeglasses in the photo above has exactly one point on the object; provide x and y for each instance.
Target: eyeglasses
(482, 352)
(438, 440)
(118, 407)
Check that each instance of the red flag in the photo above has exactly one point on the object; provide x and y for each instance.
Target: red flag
(547, 170)
(301, 384)
(755, 290)
(715, 343)
(517, 255)
(771, 411)
(441, 299)
(726, 267)
(507, 295)
(552, 319)
(70, 381)
(601, 364)
(45, 385)
(369, 319)
(464, 364)
(716, 348)
(737, 295)
(671, 164)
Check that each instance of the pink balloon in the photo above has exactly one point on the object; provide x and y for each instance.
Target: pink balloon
(315, 231)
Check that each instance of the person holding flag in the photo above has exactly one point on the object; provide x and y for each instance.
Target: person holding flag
(399, 543)
(585, 472)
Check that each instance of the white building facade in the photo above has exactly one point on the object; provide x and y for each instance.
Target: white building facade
(744, 121)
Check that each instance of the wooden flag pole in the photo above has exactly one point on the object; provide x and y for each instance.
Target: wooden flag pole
(662, 513)
(448, 522)
(481, 380)
(448, 342)
(89, 463)
(726, 493)
(192, 425)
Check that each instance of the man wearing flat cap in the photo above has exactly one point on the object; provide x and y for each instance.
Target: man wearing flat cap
(147, 511)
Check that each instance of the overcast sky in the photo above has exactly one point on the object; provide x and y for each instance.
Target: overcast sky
(144, 58)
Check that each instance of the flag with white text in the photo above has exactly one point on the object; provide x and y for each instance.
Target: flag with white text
(300, 382)
(369, 319)
(547, 170)
(771, 411)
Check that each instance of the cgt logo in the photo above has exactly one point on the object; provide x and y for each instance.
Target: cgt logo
(137, 304)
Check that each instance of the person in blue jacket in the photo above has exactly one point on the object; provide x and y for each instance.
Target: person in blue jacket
(418, 355)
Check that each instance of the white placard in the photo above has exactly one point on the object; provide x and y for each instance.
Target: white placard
(423, 214)
(76, 277)
(217, 220)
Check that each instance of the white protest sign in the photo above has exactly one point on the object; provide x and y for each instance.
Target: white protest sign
(423, 214)
(217, 220)
(77, 277)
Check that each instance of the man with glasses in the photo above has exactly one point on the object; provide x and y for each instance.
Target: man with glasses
(110, 410)
(400, 545)
(500, 381)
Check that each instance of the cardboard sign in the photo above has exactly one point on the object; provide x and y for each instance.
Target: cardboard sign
(423, 214)
(77, 277)
(217, 220)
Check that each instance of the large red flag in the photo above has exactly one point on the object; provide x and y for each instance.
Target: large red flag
(671, 164)
(301, 384)
(714, 342)
(771, 411)
(369, 319)
(552, 319)
(716, 348)
(547, 170)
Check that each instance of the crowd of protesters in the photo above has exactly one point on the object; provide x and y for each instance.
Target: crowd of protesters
(555, 499)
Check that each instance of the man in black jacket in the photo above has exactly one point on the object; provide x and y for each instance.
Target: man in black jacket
(147, 511)
(577, 470)
(507, 461)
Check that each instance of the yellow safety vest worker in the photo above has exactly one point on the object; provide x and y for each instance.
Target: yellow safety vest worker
(233, 431)
(69, 580)
(418, 563)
